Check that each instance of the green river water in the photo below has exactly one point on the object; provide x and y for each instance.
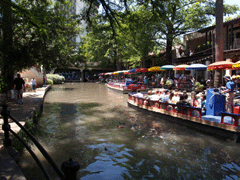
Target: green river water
(94, 126)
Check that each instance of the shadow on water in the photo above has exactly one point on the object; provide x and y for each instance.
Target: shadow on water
(112, 141)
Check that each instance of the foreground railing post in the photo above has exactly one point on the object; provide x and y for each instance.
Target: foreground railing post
(7, 141)
(70, 169)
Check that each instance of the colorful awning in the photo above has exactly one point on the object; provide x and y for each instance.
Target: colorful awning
(109, 73)
(196, 67)
(132, 71)
(180, 67)
(236, 65)
(155, 68)
(220, 65)
(141, 70)
(167, 67)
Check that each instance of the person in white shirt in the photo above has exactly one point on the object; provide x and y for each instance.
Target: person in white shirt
(175, 98)
(34, 84)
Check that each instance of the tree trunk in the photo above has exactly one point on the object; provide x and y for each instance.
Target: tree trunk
(115, 60)
(219, 41)
(169, 51)
(7, 70)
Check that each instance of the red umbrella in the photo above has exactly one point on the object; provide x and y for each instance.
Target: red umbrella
(220, 65)
(142, 70)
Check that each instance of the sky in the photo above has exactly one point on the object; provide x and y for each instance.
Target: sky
(232, 2)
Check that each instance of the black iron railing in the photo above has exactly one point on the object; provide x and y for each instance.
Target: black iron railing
(69, 168)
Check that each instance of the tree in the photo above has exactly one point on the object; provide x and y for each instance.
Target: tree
(219, 40)
(133, 38)
(177, 17)
(39, 33)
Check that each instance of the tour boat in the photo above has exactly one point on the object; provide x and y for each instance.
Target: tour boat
(126, 87)
(224, 125)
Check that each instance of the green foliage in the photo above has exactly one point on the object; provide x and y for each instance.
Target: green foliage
(202, 47)
(42, 33)
(56, 78)
(49, 81)
(145, 26)
(31, 128)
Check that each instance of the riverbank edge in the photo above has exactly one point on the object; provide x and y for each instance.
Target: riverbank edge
(9, 169)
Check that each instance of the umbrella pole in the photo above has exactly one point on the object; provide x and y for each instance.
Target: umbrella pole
(196, 75)
(222, 76)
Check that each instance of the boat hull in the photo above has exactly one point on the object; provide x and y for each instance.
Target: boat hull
(214, 129)
(122, 90)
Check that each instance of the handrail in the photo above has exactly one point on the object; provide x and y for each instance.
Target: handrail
(41, 149)
(32, 154)
(69, 168)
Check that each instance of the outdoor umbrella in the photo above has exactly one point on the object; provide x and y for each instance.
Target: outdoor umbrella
(115, 72)
(236, 65)
(180, 67)
(220, 65)
(141, 70)
(122, 71)
(196, 67)
(155, 68)
(132, 71)
(167, 67)
(109, 73)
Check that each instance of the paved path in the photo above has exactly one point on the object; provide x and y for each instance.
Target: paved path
(32, 102)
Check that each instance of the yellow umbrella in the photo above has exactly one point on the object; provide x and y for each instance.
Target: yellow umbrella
(236, 65)
(117, 72)
(155, 68)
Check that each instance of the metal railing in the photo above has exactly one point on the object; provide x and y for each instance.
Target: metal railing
(68, 168)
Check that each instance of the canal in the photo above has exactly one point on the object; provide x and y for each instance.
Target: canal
(94, 126)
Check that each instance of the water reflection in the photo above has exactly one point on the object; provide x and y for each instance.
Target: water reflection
(94, 126)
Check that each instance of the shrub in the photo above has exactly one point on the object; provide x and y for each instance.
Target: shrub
(56, 78)
(49, 81)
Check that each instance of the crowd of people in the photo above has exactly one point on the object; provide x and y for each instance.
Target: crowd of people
(176, 97)
(180, 82)
(195, 98)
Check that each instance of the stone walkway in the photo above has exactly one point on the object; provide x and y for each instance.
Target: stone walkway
(33, 101)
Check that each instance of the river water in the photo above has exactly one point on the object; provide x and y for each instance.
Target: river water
(94, 126)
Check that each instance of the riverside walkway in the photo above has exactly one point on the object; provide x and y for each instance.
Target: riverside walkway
(33, 102)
